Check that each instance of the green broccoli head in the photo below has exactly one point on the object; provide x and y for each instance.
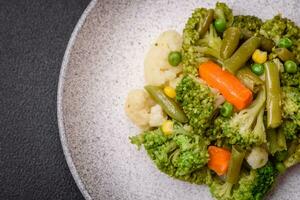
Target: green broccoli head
(214, 133)
(195, 49)
(197, 102)
(247, 22)
(246, 128)
(222, 11)
(291, 104)
(182, 155)
(289, 129)
(257, 184)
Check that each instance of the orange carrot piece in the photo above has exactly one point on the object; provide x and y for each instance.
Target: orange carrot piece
(229, 86)
(218, 159)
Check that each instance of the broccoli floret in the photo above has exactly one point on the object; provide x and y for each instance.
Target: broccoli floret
(246, 128)
(222, 11)
(280, 27)
(182, 155)
(197, 102)
(194, 48)
(288, 79)
(293, 159)
(250, 23)
(256, 185)
(289, 129)
(221, 191)
(291, 104)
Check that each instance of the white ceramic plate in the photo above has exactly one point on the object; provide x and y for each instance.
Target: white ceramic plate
(103, 61)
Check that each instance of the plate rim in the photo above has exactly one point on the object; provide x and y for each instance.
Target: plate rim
(60, 92)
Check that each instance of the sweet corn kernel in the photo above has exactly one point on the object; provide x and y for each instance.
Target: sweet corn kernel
(167, 127)
(259, 56)
(170, 92)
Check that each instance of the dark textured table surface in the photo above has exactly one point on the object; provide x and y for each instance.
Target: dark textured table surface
(33, 37)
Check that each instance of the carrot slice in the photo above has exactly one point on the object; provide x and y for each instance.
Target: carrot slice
(228, 85)
(218, 159)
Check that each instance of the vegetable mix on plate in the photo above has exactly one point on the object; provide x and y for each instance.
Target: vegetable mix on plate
(221, 105)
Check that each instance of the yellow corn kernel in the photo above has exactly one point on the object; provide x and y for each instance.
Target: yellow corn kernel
(170, 92)
(167, 127)
(259, 56)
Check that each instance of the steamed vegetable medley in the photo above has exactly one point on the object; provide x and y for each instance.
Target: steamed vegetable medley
(221, 105)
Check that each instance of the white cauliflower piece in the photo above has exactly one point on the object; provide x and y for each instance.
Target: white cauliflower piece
(157, 69)
(173, 83)
(157, 116)
(257, 158)
(138, 107)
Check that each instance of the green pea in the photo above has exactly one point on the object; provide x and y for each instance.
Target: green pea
(285, 43)
(174, 58)
(280, 167)
(226, 109)
(220, 25)
(290, 67)
(258, 69)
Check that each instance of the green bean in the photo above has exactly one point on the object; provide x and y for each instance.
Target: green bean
(203, 28)
(235, 164)
(284, 54)
(167, 104)
(242, 54)
(230, 42)
(267, 44)
(273, 95)
(249, 79)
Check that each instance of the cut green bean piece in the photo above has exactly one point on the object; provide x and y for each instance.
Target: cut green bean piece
(284, 54)
(167, 104)
(273, 95)
(235, 164)
(249, 79)
(242, 54)
(206, 23)
(230, 42)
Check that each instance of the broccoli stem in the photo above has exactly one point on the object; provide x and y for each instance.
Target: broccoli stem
(292, 147)
(293, 159)
(277, 141)
(206, 23)
(235, 164)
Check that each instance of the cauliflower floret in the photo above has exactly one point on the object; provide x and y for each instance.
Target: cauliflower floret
(174, 82)
(157, 69)
(257, 158)
(157, 116)
(138, 107)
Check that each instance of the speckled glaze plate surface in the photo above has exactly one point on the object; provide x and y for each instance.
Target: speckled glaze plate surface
(103, 61)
